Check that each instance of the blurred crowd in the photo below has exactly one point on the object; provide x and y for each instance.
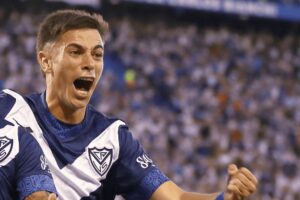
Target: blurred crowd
(198, 98)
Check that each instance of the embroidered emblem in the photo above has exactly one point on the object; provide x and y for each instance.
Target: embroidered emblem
(100, 159)
(6, 145)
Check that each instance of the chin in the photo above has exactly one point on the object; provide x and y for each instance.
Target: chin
(79, 104)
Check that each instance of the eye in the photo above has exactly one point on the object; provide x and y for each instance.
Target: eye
(98, 55)
(75, 52)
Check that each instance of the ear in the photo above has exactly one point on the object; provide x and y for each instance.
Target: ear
(44, 61)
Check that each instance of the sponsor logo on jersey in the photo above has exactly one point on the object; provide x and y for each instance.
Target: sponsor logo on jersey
(101, 159)
(6, 145)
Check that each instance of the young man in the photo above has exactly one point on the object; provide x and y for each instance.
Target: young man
(24, 173)
(92, 156)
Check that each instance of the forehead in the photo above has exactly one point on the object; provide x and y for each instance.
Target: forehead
(88, 38)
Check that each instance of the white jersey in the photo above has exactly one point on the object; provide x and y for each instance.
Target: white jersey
(96, 159)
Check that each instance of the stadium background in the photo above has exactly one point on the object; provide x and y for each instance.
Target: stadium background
(200, 86)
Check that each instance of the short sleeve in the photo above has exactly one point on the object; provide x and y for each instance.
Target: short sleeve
(137, 176)
(32, 171)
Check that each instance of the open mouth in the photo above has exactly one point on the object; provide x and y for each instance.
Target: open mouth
(83, 83)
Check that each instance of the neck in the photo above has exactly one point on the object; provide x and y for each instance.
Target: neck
(63, 112)
(67, 116)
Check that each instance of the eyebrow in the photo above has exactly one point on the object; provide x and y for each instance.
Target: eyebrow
(81, 47)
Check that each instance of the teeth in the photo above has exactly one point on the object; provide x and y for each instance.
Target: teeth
(86, 79)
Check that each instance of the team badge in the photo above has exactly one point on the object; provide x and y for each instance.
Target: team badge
(100, 159)
(6, 145)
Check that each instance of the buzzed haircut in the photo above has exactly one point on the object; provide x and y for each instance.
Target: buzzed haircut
(61, 21)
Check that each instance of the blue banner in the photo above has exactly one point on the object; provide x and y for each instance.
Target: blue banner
(248, 8)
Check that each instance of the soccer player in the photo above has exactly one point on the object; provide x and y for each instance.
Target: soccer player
(90, 155)
(24, 173)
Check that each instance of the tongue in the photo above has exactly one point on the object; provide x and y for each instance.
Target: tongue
(82, 89)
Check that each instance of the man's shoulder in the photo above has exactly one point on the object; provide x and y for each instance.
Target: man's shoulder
(33, 98)
(8, 93)
(9, 97)
(6, 100)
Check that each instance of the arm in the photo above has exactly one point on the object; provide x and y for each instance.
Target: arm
(33, 177)
(242, 183)
(170, 191)
(41, 195)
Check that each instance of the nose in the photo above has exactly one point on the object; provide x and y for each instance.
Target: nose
(88, 63)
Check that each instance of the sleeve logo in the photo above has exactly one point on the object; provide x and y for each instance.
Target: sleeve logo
(6, 145)
(144, 161)
(44, 164)
(101, 159)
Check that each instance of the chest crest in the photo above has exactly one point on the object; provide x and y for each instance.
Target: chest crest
(6, 146)
(101, 159)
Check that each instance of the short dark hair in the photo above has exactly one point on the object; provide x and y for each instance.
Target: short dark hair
(61, 21)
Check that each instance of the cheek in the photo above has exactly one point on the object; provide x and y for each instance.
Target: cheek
(63, 74)
(98, 74)
(99, 70)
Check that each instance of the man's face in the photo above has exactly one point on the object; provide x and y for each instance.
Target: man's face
(76, 64)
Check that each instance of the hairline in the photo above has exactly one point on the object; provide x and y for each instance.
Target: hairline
(51, 43)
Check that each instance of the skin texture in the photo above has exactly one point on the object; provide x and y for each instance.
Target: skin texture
(41, 195)
(79, 53)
